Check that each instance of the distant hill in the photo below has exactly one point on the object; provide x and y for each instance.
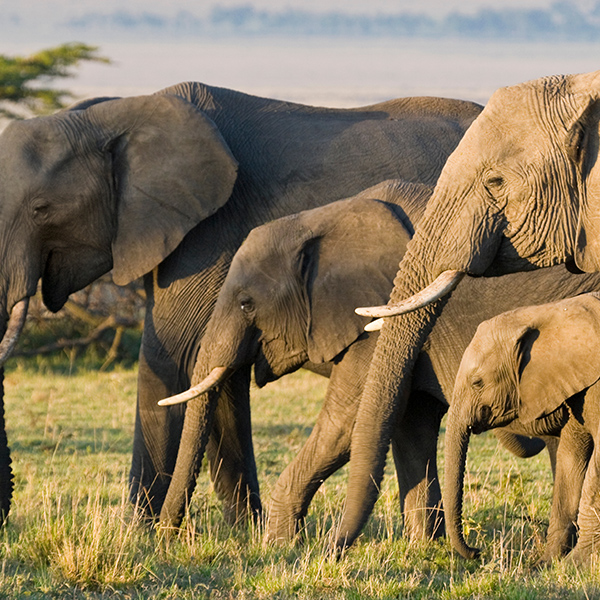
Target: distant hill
(561, 21)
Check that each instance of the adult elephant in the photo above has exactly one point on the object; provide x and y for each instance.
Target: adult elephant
(167, 186)
(287, 302)
(522, 190)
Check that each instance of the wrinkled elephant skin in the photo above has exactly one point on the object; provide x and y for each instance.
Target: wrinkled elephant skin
(167, 186)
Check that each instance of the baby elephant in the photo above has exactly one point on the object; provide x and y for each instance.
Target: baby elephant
(536, 367)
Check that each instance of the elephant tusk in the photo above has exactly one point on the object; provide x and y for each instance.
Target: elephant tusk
(13, 330)
(443, 285)
(375, 325)
(215, 377)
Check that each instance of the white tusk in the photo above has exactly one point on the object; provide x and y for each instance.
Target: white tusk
(13, 330)
(214, 377)
(444, 284)
(375, 325)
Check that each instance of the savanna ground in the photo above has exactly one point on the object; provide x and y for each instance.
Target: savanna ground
(71, 532)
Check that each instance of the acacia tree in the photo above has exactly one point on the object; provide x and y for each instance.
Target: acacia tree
(24, 81)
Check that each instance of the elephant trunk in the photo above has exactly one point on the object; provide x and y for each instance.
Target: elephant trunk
(402, 337)
(217, 348)
(6, 475)
(197, 425)
(456, 446)
(383, 402)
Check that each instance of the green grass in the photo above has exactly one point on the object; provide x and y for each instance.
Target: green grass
(72, 534)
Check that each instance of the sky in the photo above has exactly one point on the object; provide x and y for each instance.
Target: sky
(66, 7)
(333, 72)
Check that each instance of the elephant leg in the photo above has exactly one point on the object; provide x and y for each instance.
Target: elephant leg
(6, 476)
(572, 457)
(157, 432)
(328, 446)
(588, 519)
(414, 446)
(552, 444)
(167, 357)
(230, 451)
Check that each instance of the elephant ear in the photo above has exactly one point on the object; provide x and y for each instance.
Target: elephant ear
(558, 355)
(171, 170)
(350, 260)
(583, 147)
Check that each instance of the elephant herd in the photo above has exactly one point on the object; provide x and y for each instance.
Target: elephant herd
(259, 226)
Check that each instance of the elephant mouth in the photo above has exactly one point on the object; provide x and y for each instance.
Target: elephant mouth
(572, 267)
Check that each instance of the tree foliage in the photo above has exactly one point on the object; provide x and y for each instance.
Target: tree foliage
(24, 81)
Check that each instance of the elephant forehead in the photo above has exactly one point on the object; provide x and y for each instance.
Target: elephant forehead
(36, 146)
(255, 263)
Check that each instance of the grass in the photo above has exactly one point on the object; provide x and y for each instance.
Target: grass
(72, 533)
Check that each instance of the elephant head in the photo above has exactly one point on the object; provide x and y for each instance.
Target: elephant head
(520, 191)
(110, 183)
(288, 299)
(521, 366)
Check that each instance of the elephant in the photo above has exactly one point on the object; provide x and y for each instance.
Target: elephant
(520, 192)
(538, 367)
(166, 187)
(287, 302)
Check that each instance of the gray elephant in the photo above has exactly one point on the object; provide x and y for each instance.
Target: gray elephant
(287, 302)
(167, 186)
(536, 367)
(521, 191)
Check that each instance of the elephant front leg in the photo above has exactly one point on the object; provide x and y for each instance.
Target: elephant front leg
(328, 446)
(572, 457)
(326, 450)
(156, 435)
(231, 453)
(414, 446)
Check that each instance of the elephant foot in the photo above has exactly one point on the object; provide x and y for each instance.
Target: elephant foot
(555, 550)
(424, 523)
(148, 497)
(238, 512)
(579, 556)
(283, 527)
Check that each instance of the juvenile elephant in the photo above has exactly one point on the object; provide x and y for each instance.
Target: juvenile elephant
(167, 186)
(287, 301)
(521, 191)
(536, 367)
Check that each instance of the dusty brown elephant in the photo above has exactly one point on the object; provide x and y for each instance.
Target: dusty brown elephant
(538, 368)
(521, 191)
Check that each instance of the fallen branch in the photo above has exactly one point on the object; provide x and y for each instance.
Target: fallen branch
(111, 322)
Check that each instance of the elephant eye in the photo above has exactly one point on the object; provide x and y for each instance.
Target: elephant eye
(576, 143)
(494, 183)
(477, 383)
(40, 210)
(247, 305)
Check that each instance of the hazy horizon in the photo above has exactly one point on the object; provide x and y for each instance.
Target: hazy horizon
(332, 71)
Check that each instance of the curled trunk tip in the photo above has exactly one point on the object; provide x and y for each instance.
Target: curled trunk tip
(443, 285)
(216, 376)
(457, 442)
(13, 329)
